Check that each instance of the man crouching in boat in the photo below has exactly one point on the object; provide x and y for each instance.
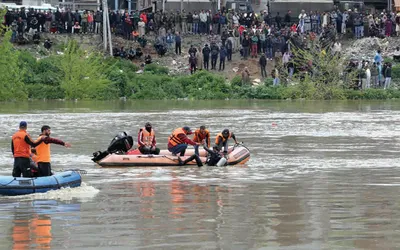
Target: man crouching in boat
(43, 151)
(21, 144)
(221, 141)
(147, 140)
(178, 141)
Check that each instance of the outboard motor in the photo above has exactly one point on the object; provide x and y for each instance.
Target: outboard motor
(121, 143)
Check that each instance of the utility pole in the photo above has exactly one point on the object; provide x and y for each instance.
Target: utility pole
(163, 6)
(106, 28)
(181, 5)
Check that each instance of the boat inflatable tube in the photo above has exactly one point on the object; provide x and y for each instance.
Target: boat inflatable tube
(20, 186)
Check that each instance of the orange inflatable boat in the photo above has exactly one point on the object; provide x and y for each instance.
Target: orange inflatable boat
(117, 155)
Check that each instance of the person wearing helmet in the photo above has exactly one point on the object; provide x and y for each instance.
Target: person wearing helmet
(221, 141)
(147, 140)
(178, 141)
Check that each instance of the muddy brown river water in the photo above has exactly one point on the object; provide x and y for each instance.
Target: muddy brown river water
(322, 175)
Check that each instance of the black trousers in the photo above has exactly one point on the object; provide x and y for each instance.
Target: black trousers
(214, 62)
(44, 168)
(21, 166)
(222, 63)
(206, 60)
(178, 48)
(229, 54)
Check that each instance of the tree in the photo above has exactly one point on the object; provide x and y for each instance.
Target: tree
(11, 75)
(83, 74)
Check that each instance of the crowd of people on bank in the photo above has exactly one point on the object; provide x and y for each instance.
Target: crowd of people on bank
(263, 35)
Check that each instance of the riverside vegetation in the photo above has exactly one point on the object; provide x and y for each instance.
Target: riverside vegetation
(79, 74)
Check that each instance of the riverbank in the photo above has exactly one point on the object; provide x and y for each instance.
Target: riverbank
(78, 74)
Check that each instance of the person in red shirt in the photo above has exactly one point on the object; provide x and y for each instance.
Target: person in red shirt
(178, 141)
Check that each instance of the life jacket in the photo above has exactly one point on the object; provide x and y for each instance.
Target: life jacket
(173, 139)
(21, 148)
(43, 152)
(199, 137)
(223, 138)
(147, 138)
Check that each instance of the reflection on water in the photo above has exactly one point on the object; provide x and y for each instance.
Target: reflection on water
(322, 175)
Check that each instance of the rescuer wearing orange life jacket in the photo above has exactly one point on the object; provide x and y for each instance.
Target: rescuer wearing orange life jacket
(221, 141)
(201, 135)
(147, 140)
(178, 141)
(43, 151)
(21, 144)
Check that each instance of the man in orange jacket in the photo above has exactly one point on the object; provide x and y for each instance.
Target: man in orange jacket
(178, 141)
(201, 135)
(221, 141)
(21, 144)
(147, 143)
(43, 151)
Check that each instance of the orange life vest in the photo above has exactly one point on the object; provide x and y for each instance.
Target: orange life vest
(173, 139)
(199, 137)
(43, 152)
(147, 138)
(21, 148)
(223, 138)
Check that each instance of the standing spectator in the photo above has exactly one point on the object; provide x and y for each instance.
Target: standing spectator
(48, 18)
(189, 19)
(206, 56)
(388, 76)
(223, 23)
(229, 47)
(374, 74)
(142, 27)
(278, 20)
(275, 75)
(178, 42)
(203, 22)
(222, 55)
(245, 45)
(196, 20)
(98, 20)
(85, 22)
(214, 55)
(254, 43)
(192, 62)
(368, 77)
(263, 65)
(184, 22)
(288, 18)
(245, 76)
(199, 59)
(398, 24)
(90, 22)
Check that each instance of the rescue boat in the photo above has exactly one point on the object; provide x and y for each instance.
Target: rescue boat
(20, 186)
(119, 154)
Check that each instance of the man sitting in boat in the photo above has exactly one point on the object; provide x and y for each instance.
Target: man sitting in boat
(21, 144)
(201, 135)
(221, 141)
(43, 151)
(147, 140)
(178, 141)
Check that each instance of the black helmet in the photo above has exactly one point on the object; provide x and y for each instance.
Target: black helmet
(225, 132)
(147, 125)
